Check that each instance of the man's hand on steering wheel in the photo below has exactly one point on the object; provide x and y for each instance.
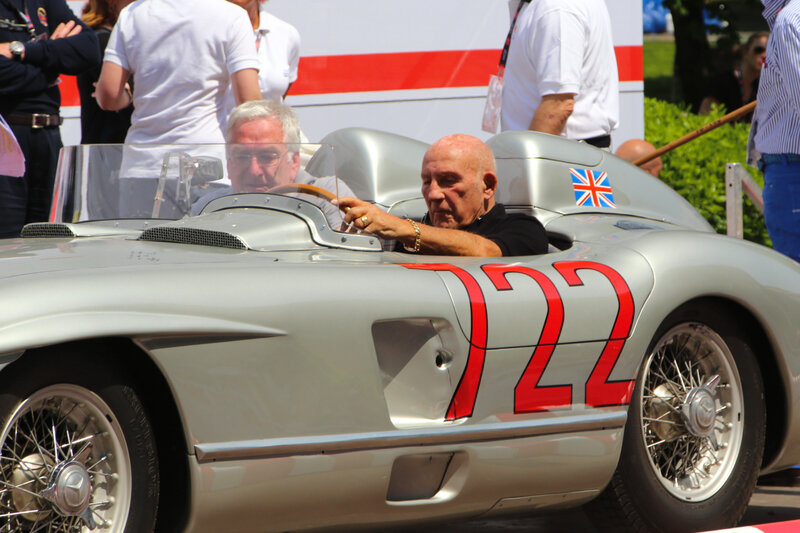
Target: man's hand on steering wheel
(368, 217)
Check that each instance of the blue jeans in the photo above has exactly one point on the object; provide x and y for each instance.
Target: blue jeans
(782, 202)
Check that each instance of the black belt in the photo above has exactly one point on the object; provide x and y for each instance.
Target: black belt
(34, 120)
(601, 141)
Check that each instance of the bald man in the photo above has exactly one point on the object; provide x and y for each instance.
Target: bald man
(634, 149)
(458, 183)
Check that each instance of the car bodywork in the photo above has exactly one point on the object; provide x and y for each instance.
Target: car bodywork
(295, 377)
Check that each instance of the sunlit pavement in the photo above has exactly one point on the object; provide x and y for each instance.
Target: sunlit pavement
(775, 500)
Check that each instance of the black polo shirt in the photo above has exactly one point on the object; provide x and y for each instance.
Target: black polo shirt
(513, 233)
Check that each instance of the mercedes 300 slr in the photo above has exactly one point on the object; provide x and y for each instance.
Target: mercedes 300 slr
(246, 365)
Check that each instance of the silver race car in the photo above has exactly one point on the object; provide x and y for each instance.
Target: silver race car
(218, 361)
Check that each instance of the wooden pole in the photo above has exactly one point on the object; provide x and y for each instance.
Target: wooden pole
(733, 115)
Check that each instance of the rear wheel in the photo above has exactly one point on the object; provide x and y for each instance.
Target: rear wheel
(695, 432)
(76, 449)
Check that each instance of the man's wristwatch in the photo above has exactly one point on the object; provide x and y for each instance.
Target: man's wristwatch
(17, 49)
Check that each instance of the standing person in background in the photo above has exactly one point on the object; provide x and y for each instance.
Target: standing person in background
(184, 56)
(39, 40)
(736, 87)
(98, 126)
(776, 126)
(278, 48)
(561, 75)
(634, 149)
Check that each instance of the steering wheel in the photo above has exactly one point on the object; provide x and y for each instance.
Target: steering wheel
(303, 188)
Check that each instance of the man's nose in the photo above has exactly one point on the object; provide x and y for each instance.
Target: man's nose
(255, 168)
(434, 191)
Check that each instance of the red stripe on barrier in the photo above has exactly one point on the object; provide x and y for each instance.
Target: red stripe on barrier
(400, 71)
(421, 70)
(630, 63)
(69, 91)
(780, 527)
(395, 71)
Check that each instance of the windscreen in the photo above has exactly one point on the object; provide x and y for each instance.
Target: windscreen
(114, 181)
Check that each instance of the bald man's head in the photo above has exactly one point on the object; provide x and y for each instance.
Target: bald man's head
(634, 149)
(458, 180)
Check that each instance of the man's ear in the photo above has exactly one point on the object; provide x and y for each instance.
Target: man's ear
(490, 184)
(294, 159)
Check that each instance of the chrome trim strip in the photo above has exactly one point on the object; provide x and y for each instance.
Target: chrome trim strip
(379, 440)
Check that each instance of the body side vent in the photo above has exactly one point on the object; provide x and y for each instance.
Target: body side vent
(201, 237)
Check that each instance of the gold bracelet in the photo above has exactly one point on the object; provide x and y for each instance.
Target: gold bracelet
(417, 239)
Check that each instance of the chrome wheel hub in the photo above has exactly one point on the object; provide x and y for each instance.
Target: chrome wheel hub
(700, 409)
(70, 490)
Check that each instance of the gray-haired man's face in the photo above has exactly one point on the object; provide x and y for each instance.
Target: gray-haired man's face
(258, 159)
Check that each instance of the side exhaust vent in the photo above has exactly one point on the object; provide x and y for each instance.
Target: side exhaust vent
(200, 237)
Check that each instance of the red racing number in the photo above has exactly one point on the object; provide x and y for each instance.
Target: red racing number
(529, 395)
(601, 392)
(463, 401)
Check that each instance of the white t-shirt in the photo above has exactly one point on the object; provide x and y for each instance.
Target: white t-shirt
(562, 46)
(278, 46)
(181, 56)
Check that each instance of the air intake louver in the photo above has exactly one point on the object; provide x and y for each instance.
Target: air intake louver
(200, 237)
(47, 230)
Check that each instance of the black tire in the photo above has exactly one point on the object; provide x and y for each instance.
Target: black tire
(670, 478)
(86, 400)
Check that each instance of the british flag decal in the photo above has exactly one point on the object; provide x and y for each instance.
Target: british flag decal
(592, 188)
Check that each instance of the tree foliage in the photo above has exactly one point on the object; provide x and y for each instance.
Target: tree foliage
(696, 170)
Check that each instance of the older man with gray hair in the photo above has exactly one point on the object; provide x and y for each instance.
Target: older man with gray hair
(263, 153)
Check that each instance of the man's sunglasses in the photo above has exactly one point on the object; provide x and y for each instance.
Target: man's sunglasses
(759, 49)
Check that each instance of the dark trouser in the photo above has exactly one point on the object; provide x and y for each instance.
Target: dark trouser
(137, 199)
(27, 199)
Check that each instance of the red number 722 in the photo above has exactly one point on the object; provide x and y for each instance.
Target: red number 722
(529, 396)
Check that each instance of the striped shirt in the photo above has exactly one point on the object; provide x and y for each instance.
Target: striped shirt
(777, 119)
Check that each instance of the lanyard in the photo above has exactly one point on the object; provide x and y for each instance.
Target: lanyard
(26, 20)
(504, 56)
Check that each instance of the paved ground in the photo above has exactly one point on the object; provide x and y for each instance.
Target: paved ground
(776, 499)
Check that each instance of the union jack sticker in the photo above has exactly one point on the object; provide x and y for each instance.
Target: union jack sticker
(592, 188)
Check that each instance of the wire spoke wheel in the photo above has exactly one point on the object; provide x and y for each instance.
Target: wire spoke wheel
(64, 464)
(692, 411)
(694, 438)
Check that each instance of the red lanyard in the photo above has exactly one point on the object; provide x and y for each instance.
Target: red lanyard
(504, 56)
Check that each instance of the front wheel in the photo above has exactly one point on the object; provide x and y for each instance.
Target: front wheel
(76, 450)
(695, 432)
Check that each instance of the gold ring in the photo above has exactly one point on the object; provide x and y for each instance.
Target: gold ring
(364, 220)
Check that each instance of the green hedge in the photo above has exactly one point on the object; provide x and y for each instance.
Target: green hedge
(696, 170)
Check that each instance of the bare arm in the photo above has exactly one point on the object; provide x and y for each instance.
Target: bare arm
(245, 85)
(111, 93)
(552, 114)
(705, 105)
(433, 240)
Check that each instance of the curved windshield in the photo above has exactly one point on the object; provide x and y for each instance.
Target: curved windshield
(115, 181)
